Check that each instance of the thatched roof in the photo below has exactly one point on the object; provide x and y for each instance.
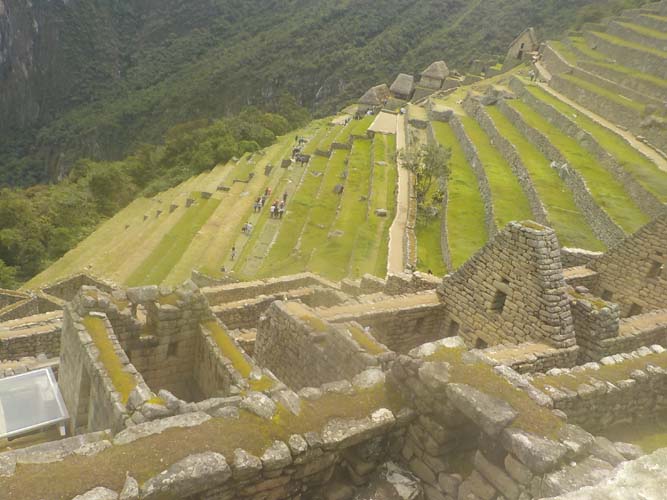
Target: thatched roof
(438, 71)
(530, 32)
(375, 96)
(403, 86)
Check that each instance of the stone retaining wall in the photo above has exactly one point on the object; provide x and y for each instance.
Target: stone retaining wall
(644, 199)
(66, 289)
(589, 399)
(444, 233)
(509, 152)
(251, 289)
(302, 350)
(603, 226)
(573, 257)
(633, 58)
(31, 344)
(472, 156)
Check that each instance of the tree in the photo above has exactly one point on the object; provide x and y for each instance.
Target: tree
(7, 276)
(429, 163)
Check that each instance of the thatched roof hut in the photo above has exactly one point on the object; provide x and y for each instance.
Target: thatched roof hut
(375, 96)
(403, 86)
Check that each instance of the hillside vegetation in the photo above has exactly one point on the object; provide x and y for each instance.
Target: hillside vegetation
(106, 76)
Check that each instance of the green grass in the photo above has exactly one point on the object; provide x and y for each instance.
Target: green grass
(643, 30)
(429, 248)
(385, 150)
(329, 137)
(368, 255)
(360, 127)
(641, 168)
(607, 192)
(466, 232)
(564, 215)
(155, 268)
(629, 45)
(602, 92)
(509, 201)
(332, 258)
(579, 43)
(632, 73)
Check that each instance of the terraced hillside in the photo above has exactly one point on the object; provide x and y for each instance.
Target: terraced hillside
(581, 149)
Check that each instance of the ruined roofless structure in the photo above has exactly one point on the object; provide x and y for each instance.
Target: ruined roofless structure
(297, 387)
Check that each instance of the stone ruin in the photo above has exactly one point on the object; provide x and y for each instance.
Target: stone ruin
(489, 383)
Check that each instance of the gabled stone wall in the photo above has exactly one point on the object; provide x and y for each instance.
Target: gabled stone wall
(512, 290)
(634, 273)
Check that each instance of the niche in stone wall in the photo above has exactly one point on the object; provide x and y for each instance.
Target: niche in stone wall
(500, 297)
(656, 270)
(607, 295)
(635, 310)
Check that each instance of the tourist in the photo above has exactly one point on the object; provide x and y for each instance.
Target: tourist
(233, 252)
(285, 197)
(273, 211)
(532, 75)
(249, 229)
(281, 209)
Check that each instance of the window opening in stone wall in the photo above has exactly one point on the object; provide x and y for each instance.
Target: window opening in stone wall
(172, 350)
(607, 295)
(453, 329)
(635, 309)
(481, 344)
(499, 299)
(656, 270)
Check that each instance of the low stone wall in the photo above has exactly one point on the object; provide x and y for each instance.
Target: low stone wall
(603, 226)
(17, 310)
(400, 327)
(403, 284)
(245, 314)
(644, 199)
(621, 388)
(9, 297)
(639, 85)
(573, 257)
(28, 364)
(31, 344)
(633, 58)
(595, 320)
(444, 233)
(251, 289)
(478, 419)
(509, 152)
(302, 350)
(472, 156)
(66, 289)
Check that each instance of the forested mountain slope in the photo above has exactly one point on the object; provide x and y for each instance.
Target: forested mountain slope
(96, 78)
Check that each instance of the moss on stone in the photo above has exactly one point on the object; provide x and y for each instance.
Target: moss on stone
(365, 341)
(230, 350)
(532, 417)
(123, 381)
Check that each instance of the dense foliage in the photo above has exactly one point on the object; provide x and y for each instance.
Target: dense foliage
(114, 74)
(39, 224)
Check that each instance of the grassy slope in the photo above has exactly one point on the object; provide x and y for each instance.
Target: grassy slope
(630, 45)
(292, 250)
(332, 258)
(608, 193)
(641, 168)
(155, 268)
(465, 209)
(368, 254)
(602, 92)
(564, 215)
(509, 201)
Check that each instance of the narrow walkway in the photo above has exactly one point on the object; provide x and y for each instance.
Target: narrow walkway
(396, 259)
(647, 151)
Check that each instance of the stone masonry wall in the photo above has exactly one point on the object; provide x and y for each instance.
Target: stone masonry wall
(509, 152)
(640, 195)
(248, 290)
(635, 272)
(67, 288)
(512, 291)
(603, 226)
(31, 344)
(302, 350)
(473, 159)
(619, 389)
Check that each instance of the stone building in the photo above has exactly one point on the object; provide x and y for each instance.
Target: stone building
(300, 388)
(434, 76)
(521, 49)
(403, 87)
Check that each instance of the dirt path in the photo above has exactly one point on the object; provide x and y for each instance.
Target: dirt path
(647, 151)
(396, 259)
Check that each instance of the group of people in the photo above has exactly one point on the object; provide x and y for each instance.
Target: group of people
(277, 207)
